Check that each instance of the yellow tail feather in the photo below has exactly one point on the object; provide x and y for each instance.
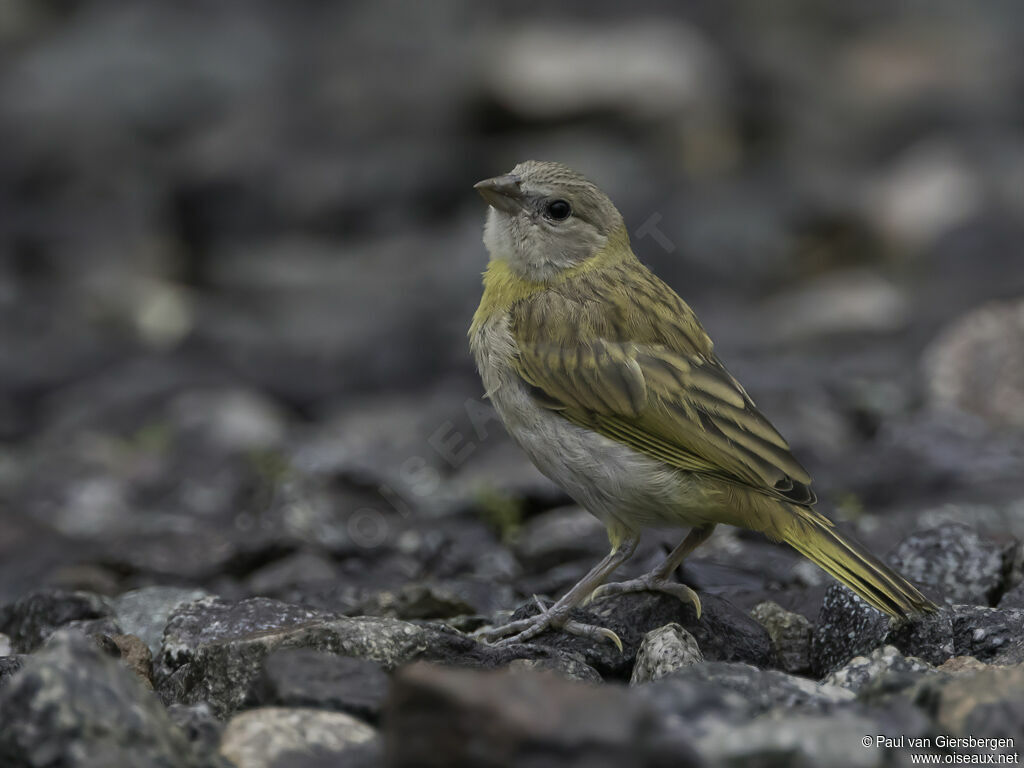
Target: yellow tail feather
(848, 562)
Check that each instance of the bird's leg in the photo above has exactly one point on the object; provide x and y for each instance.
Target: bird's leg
(659, 580)
(557, 616)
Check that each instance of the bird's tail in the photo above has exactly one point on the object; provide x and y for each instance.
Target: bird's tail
(814, 537)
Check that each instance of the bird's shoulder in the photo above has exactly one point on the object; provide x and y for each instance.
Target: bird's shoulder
(619, 302)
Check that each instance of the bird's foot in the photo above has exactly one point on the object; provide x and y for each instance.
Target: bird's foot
(554, 618)
(649, 582)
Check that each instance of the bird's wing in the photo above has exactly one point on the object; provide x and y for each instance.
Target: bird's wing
(662, 391)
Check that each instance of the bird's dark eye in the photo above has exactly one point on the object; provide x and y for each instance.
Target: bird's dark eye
(558, 210)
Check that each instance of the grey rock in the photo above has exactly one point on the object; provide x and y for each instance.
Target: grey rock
(33, 618)
(954, 563)
(368, 754)
(804, 740)
(199, 725)
(560, 535)
(453, 718)
(258, 738)
(723, 632)
(976, 364)
(1013, 598)
(211, 620)
(688, 703)
(985, 702)
(416, 601)
(848, 627)
(221, 663)
(762, 689)
(233, 420)
(861, 671)
(9, 665)
(301, 677)
(104, 627)
(567, 665)
(991, 635)
(852, 301)
(144, 612)
(790, 633)
(72, 705)
(299, 570)
(6, 648)
(672, 69)
(662, 652)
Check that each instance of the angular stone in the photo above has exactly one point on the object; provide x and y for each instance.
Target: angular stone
(454, 718)
(723, 632)
(72, 705)
(258, 738)
(33, 618)
(662, 652)
(210, 620)
(1013, 598)
(983, 703)
(144, 612)
(790, 633)
(991, 635)
(221, 663)
(761, 689)
(953, 563)
(861, 671)
(300, 677)
(848, 627)
(9, 665)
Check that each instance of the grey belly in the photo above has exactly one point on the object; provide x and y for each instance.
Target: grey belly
(614, 482)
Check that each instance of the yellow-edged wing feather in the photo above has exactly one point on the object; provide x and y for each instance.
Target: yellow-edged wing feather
(629, 360)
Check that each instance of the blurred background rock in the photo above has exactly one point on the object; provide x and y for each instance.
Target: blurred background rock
(239, 250)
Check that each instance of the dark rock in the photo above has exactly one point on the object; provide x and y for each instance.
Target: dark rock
(690, 702)
(200, 727)
(790, 633)
(990, 635)
(71, 705)
(33, 618)
(568, 666)
(453, 718)
(975, 364)
(723, 632)
(953, 563)
(9, 665)
(861, 671)
(983, 703)
(368, 754)
(96, 628)
(301, 677)
(221, 663)
(260, 737)
(1013, 598)
(662, 652)
(144, 612)
(806, 740)
(296, 570)
(761, 689)
(416, 601)
(848, 627)
(211, 620)
(560, 535)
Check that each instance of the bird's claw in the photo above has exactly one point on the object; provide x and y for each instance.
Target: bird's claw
(524, 630)
(648, 583)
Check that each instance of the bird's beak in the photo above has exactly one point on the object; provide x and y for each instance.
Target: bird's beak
(503, 192)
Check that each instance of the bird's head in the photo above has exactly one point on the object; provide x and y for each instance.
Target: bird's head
(545, 218)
